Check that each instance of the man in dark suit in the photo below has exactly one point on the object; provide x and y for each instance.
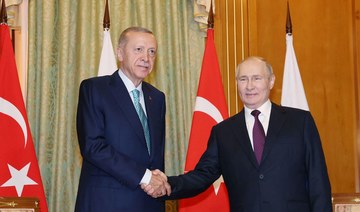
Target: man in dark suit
(121, 132)
(288, 175)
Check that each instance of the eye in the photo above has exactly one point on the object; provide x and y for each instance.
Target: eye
(243, 79)
(258, 78)
(138, 49)
(152, 52)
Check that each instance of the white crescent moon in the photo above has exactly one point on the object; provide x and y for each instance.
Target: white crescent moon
(9, 109)
(203, 105)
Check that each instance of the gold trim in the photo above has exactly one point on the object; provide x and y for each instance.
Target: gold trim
(227, 54)
(11, 204)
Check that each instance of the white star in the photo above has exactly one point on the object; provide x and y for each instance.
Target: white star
(19, 179)
(217, 184)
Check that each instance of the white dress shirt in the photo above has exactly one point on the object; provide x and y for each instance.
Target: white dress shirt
(264, 118)
(130, 87)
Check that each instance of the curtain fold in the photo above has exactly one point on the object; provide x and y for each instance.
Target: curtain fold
(65, 39)
(201, 12)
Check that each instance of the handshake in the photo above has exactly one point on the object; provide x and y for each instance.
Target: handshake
(158, 185)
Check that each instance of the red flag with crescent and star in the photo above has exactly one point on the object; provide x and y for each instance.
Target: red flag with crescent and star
(19, 169)
(210, 109)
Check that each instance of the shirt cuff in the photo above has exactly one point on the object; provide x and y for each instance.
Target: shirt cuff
(146, 178)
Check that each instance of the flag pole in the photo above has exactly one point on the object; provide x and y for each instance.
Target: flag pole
(106, 21)
(3, 14)
(211, 17)
(3, 18)
(288, 20)
(293, 93)
(107, 64)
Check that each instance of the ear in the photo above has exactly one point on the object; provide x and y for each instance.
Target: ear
(120, 54)
(272, 81)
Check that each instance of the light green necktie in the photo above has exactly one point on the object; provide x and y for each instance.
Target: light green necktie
(142, 117)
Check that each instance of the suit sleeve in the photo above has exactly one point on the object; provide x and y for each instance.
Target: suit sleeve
(198, 180)
(94, 148)
(318, 180)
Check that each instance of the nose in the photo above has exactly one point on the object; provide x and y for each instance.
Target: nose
(249, 85)
(145, 57)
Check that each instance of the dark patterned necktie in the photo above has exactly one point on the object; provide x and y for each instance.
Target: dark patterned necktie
(258, 136)
(142, 117)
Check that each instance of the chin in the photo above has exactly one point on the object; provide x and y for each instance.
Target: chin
(252, 102)
(251, 105)
(143, 73)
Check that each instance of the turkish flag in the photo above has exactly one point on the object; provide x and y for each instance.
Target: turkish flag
(210, 109)
(19, 170)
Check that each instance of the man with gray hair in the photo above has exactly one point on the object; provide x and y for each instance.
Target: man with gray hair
(270, 156)
(121, 132)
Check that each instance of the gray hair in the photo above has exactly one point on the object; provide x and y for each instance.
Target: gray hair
(123, 39)
(261, 59)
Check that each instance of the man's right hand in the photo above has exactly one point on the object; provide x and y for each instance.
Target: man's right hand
(158, 185)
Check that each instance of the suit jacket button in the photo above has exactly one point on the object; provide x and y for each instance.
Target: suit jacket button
(261, 176)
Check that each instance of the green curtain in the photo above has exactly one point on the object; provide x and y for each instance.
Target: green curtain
(65, 41)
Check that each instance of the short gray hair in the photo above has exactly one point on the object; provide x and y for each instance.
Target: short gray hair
(261, 59)
(123, 39)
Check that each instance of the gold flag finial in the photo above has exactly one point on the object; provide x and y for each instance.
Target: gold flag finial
(106, 21)
(288, 21)
(3, 14)
(211, 17)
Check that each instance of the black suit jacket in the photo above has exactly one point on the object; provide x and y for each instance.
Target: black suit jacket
(291, 177)
(113, 146)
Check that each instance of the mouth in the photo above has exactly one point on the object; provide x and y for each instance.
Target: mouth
(145, 67)
(251, 94)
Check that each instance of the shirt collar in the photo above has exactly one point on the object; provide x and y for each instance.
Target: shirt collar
(128, 84)
(265, 109)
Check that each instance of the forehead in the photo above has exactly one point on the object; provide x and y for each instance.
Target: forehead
(141, 38)
(252, 67)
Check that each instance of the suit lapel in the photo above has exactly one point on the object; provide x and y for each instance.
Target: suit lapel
(243, 136)
(123, 99)
(277, 119)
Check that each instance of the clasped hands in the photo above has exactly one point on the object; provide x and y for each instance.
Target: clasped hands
(158, 185)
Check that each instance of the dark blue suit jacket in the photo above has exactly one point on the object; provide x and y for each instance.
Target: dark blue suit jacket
(113, 146)
(292, 176)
